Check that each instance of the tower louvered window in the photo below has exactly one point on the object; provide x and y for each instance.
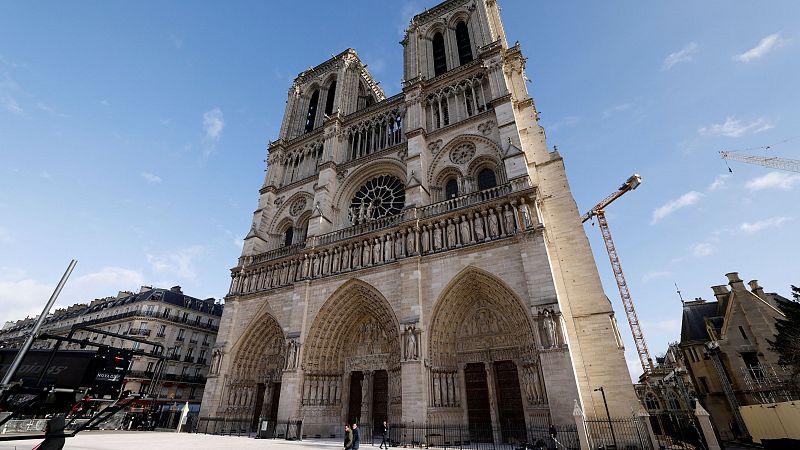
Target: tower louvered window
(312, 111)
(439, 55)
(463, 43)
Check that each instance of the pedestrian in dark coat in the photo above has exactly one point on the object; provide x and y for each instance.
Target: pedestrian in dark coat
(55, 426)
(356, 437)
(384, 435)
(348, 438)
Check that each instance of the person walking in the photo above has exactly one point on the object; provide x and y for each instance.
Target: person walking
(384, 435)
(348, 438)
(356, 437)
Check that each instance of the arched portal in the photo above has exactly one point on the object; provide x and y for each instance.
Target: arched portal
(253, 385)
(351, 361)
(484, 362)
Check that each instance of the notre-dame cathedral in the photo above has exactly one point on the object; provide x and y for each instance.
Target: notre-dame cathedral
(418, 257)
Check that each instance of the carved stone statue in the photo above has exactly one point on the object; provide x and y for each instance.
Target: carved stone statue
(387, 247)
(366, 252)
(410, 244)
(291, 355)
(508, 214)
(451, 234)
(493, 225)
(465, 233)
(527, 219)
(398, 245)
(437, 237)
(376, 251)
(411, 343)
(550, 335)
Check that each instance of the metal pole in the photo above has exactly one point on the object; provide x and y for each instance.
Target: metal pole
(35, 331)
(608, 414)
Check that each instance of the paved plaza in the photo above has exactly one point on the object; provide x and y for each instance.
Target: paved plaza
(137, 440)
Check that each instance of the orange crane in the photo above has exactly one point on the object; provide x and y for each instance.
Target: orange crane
(599, 211)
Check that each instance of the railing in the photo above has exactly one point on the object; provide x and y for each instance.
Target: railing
(193, 341)
(155, 315)
(279, 252)
(202, 361)
(139, 332)
(362, 228)
(188, 359)
(161, 335)
(180, 338)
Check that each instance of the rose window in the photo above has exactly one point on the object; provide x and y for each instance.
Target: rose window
(462, 153)
(379, 197)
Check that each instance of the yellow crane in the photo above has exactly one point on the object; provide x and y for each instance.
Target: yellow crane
(633, 320)
(775, 162)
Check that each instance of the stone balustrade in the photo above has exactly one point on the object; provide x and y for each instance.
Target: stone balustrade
(475, 218)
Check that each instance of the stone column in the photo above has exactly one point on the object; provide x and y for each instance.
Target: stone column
(580, 426)
(493, 410)
(706, 427)
(645, 418)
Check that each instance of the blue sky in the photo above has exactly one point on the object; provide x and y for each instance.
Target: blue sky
(132, 136)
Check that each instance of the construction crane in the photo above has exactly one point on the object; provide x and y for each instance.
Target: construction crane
(775, 162)
(599, 211)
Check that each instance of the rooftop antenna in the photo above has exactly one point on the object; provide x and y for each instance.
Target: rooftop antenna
(678, 290)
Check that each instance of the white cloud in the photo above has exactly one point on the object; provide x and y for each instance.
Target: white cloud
(685, 54)
(655, 274)
(5, 236)
(615, 109)
(702, 249)
(565, 122)
(733, 127)
(151, 178)
(114, 278)
(773, 180)
(213, 123)
(8, 90)
(764, 46)
(687, 199)
(178, 264)
(719, 182)
(23, 296)
(772, 222)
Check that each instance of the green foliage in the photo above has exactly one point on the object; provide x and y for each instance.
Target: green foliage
(787, 338)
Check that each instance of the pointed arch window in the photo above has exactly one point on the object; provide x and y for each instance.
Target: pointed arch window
(288, 235)
(486, 179)
(439, 55)
(331, 96)
(451, 189)
(312, 111)
(463, 43)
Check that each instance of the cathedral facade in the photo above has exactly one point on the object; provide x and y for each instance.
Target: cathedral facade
(418, 257)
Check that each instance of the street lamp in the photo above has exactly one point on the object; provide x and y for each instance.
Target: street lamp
(608, 414)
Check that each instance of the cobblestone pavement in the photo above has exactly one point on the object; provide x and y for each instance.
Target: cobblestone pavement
(138, 440)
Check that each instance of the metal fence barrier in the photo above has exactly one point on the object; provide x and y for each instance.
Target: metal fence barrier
(627, 433)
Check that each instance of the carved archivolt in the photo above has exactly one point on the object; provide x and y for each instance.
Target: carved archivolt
(260, 352)
(478, 316)
(355, 327)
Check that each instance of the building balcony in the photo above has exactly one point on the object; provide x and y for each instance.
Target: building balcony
(141, 314)
(138, 332)
(174, 357)
(193, 341)
(161, 335)
(189, 359)
(497, 213)
(202, 361)
(180, 338)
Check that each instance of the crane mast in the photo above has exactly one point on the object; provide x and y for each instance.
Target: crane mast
(774, 162)
(625, 294)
